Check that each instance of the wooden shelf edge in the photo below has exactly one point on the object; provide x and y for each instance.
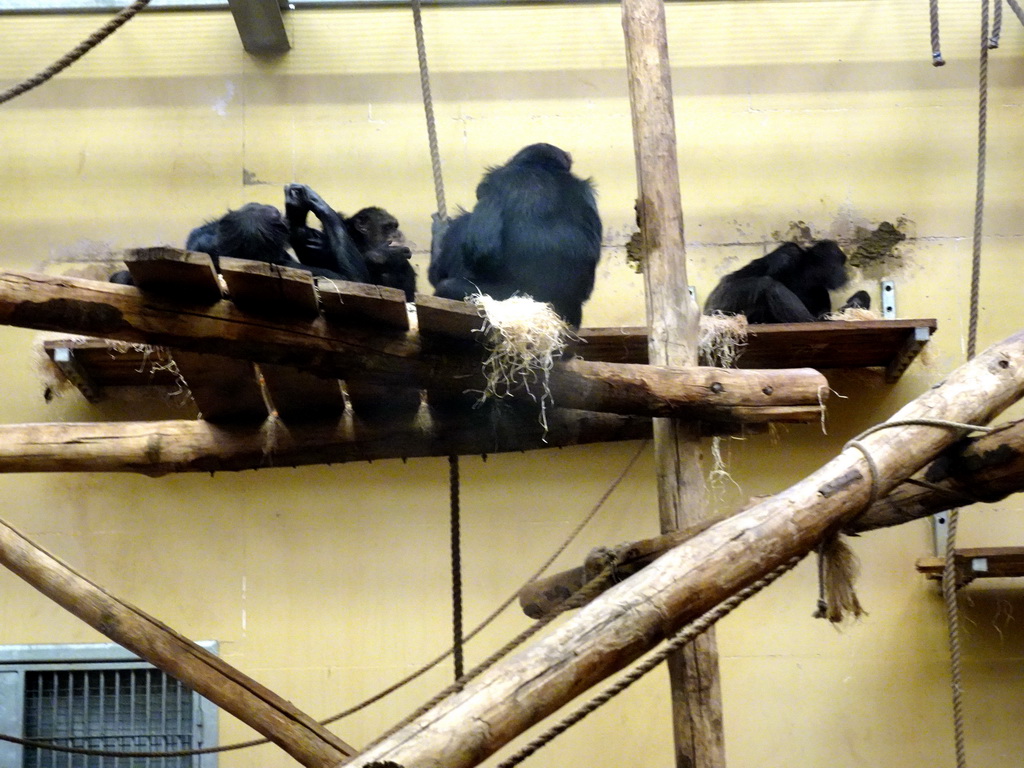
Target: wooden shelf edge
(978, 563)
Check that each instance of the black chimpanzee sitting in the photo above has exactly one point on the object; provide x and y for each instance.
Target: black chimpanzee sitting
(366, 239)
(789, 285)
(259, 232)
(534, 230)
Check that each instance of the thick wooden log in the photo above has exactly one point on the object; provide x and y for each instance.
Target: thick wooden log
(687, 581)
(122, 312)
(298, 734)
(984, 469)
(987, 468)
(158, 448)
(673, 318)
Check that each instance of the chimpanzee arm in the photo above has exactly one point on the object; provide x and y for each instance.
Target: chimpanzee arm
(348, 262)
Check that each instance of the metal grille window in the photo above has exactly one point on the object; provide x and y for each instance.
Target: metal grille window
(98, 697)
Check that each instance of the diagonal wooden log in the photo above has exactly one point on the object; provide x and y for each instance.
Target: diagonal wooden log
(298, 734)
(122, 312)
(687, 581)
(159, 448)
(982, 469)
(987, 469)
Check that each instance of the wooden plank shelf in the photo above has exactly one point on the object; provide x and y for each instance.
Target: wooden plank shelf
(227, 389)
(978, 563)
(889, 344)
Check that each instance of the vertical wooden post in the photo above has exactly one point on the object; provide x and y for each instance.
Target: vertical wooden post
(673, 318)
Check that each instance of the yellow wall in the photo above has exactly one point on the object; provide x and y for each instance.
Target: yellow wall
(329, 583)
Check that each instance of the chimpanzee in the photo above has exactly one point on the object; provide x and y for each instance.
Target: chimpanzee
(362, 244)
(534, 230)
(789, 285)
(255, 231)
(356, 249)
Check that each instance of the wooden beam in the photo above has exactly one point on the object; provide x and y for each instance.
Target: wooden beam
(673, 318)
(270, 289)
(261, 26)
(689, 580)
(332, 351)
(987, 468)
(186, 276)
(298, 734)
(159, 448)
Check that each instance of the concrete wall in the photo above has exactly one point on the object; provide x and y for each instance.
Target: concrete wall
(327, 584)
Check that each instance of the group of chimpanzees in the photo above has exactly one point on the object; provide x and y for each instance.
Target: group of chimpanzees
(364, 248)
(534, 230)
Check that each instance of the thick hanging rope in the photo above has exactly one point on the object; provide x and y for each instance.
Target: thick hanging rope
(428, 108)
(682, 638)
(949, 585)
(440, 216)
(579, 598)
(76, 53)
(456, 547)
(997, 24)
(933, 15)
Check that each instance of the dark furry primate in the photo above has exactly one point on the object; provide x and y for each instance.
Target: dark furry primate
(789, 285)
(534, 230)
(363, 245)
(255, 231)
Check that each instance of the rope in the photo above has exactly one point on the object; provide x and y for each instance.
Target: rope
(949, 586)
(1015, 7)
(584, 594)
(997, 24)
(454, 485)
(683, 637)
(76, 53)
(428, 108)
(933, 15)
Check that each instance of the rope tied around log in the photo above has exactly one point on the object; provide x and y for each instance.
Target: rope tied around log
(837, 564)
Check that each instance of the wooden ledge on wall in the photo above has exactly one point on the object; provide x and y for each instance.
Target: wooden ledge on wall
(888, 344)
(978, 563)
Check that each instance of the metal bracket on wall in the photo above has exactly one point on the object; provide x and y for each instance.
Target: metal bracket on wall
(65, 360)
(940, 532)
(888, 299)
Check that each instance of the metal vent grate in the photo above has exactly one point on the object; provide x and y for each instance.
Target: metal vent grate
(136, 710)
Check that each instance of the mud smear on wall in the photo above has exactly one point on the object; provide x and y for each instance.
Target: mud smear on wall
(873, 251)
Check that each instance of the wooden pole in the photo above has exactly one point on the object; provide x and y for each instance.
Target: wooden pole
(162, 447)
(298, 734)
(686, 582)
(672, 317)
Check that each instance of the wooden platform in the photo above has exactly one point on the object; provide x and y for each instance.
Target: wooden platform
(978, 563)
(233, 389)
(888, 344)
